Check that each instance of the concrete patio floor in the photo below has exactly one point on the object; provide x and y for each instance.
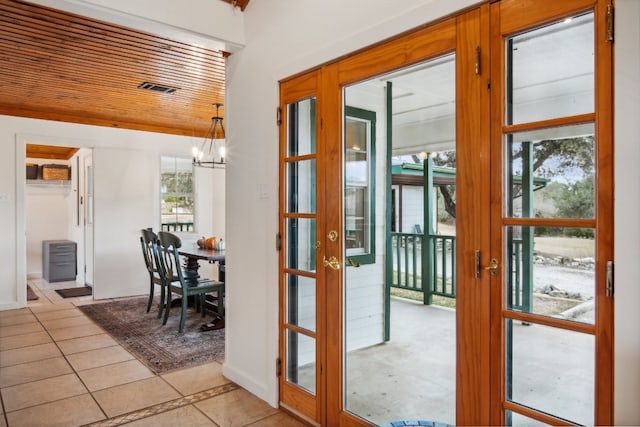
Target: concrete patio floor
(413, 375)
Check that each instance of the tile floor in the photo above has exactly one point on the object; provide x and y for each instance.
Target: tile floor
(57, 368)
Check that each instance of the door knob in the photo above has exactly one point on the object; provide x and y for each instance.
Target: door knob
(331, 262)
(493, 267)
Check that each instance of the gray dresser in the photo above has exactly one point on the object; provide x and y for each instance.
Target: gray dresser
(59, 260)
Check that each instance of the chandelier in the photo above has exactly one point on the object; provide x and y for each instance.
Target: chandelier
(212, 150)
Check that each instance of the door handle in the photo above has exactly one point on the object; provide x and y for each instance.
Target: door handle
(493, 267)
(332, 262)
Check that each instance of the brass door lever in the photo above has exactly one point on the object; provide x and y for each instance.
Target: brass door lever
(331, 262)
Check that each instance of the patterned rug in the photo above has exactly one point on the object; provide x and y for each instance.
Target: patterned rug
(159, 347)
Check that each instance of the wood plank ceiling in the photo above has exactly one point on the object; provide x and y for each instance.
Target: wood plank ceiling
(56, 65)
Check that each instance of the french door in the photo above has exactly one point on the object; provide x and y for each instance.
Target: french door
(552, 226)
(522, 143)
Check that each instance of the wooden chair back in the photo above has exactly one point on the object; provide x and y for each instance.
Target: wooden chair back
(147, 241)
(167, 257)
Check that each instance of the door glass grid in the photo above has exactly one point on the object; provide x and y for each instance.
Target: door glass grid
(549, 174)
(552, 273)
(553, 71)
(301, 252)
(301, 186)
(301, 138)
(300, 240)
(301, 360)
(301, 293)
(552, 370)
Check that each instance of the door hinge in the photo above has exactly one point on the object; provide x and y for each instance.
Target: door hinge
(610, 281)
(478, 57)
(278, 241)
(609, 25)
(279, 116)
(278, 367)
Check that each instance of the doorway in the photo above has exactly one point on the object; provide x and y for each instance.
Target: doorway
(54, 211)
(338, 143)
(337, 258)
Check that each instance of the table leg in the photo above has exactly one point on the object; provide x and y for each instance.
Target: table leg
(191, 267)
(221, 271)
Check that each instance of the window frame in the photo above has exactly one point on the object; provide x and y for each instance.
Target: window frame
(176, 226)
(367, 256)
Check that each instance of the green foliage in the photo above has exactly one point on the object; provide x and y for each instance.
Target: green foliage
(177, 192)
(180, 183)
(565, 158)
(575, 200)
(571, 201)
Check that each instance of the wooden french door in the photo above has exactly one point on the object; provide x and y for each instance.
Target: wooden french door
(302, 282)
(320, 240)
(502, 221)
(551, 213)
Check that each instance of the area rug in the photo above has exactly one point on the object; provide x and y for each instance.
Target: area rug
(75, 292)
(31, 295)
(160, 348)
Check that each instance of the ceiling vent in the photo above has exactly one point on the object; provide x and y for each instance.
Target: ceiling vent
(157, 88)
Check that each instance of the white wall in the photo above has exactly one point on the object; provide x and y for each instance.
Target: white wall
(47, 210)
(284, 38)
(126, 199)
(627, 206)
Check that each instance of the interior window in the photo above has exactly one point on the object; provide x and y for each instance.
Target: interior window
(176, 194)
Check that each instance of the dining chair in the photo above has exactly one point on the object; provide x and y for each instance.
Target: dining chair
(147, 241)
(168, 260)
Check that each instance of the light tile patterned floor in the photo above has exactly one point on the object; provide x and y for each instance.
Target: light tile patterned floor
(57, 368)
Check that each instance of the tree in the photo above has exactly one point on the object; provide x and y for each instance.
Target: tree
(447, 159)
(551, 157)
(576, 201)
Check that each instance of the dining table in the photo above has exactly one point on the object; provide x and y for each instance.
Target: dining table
(193, 254)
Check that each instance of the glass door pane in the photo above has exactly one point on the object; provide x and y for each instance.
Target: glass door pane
(548, 223)
(399, 277)
(299, 226)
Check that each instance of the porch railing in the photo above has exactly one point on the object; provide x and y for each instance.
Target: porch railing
(520, 282)
(440, 267)
(437, 263)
